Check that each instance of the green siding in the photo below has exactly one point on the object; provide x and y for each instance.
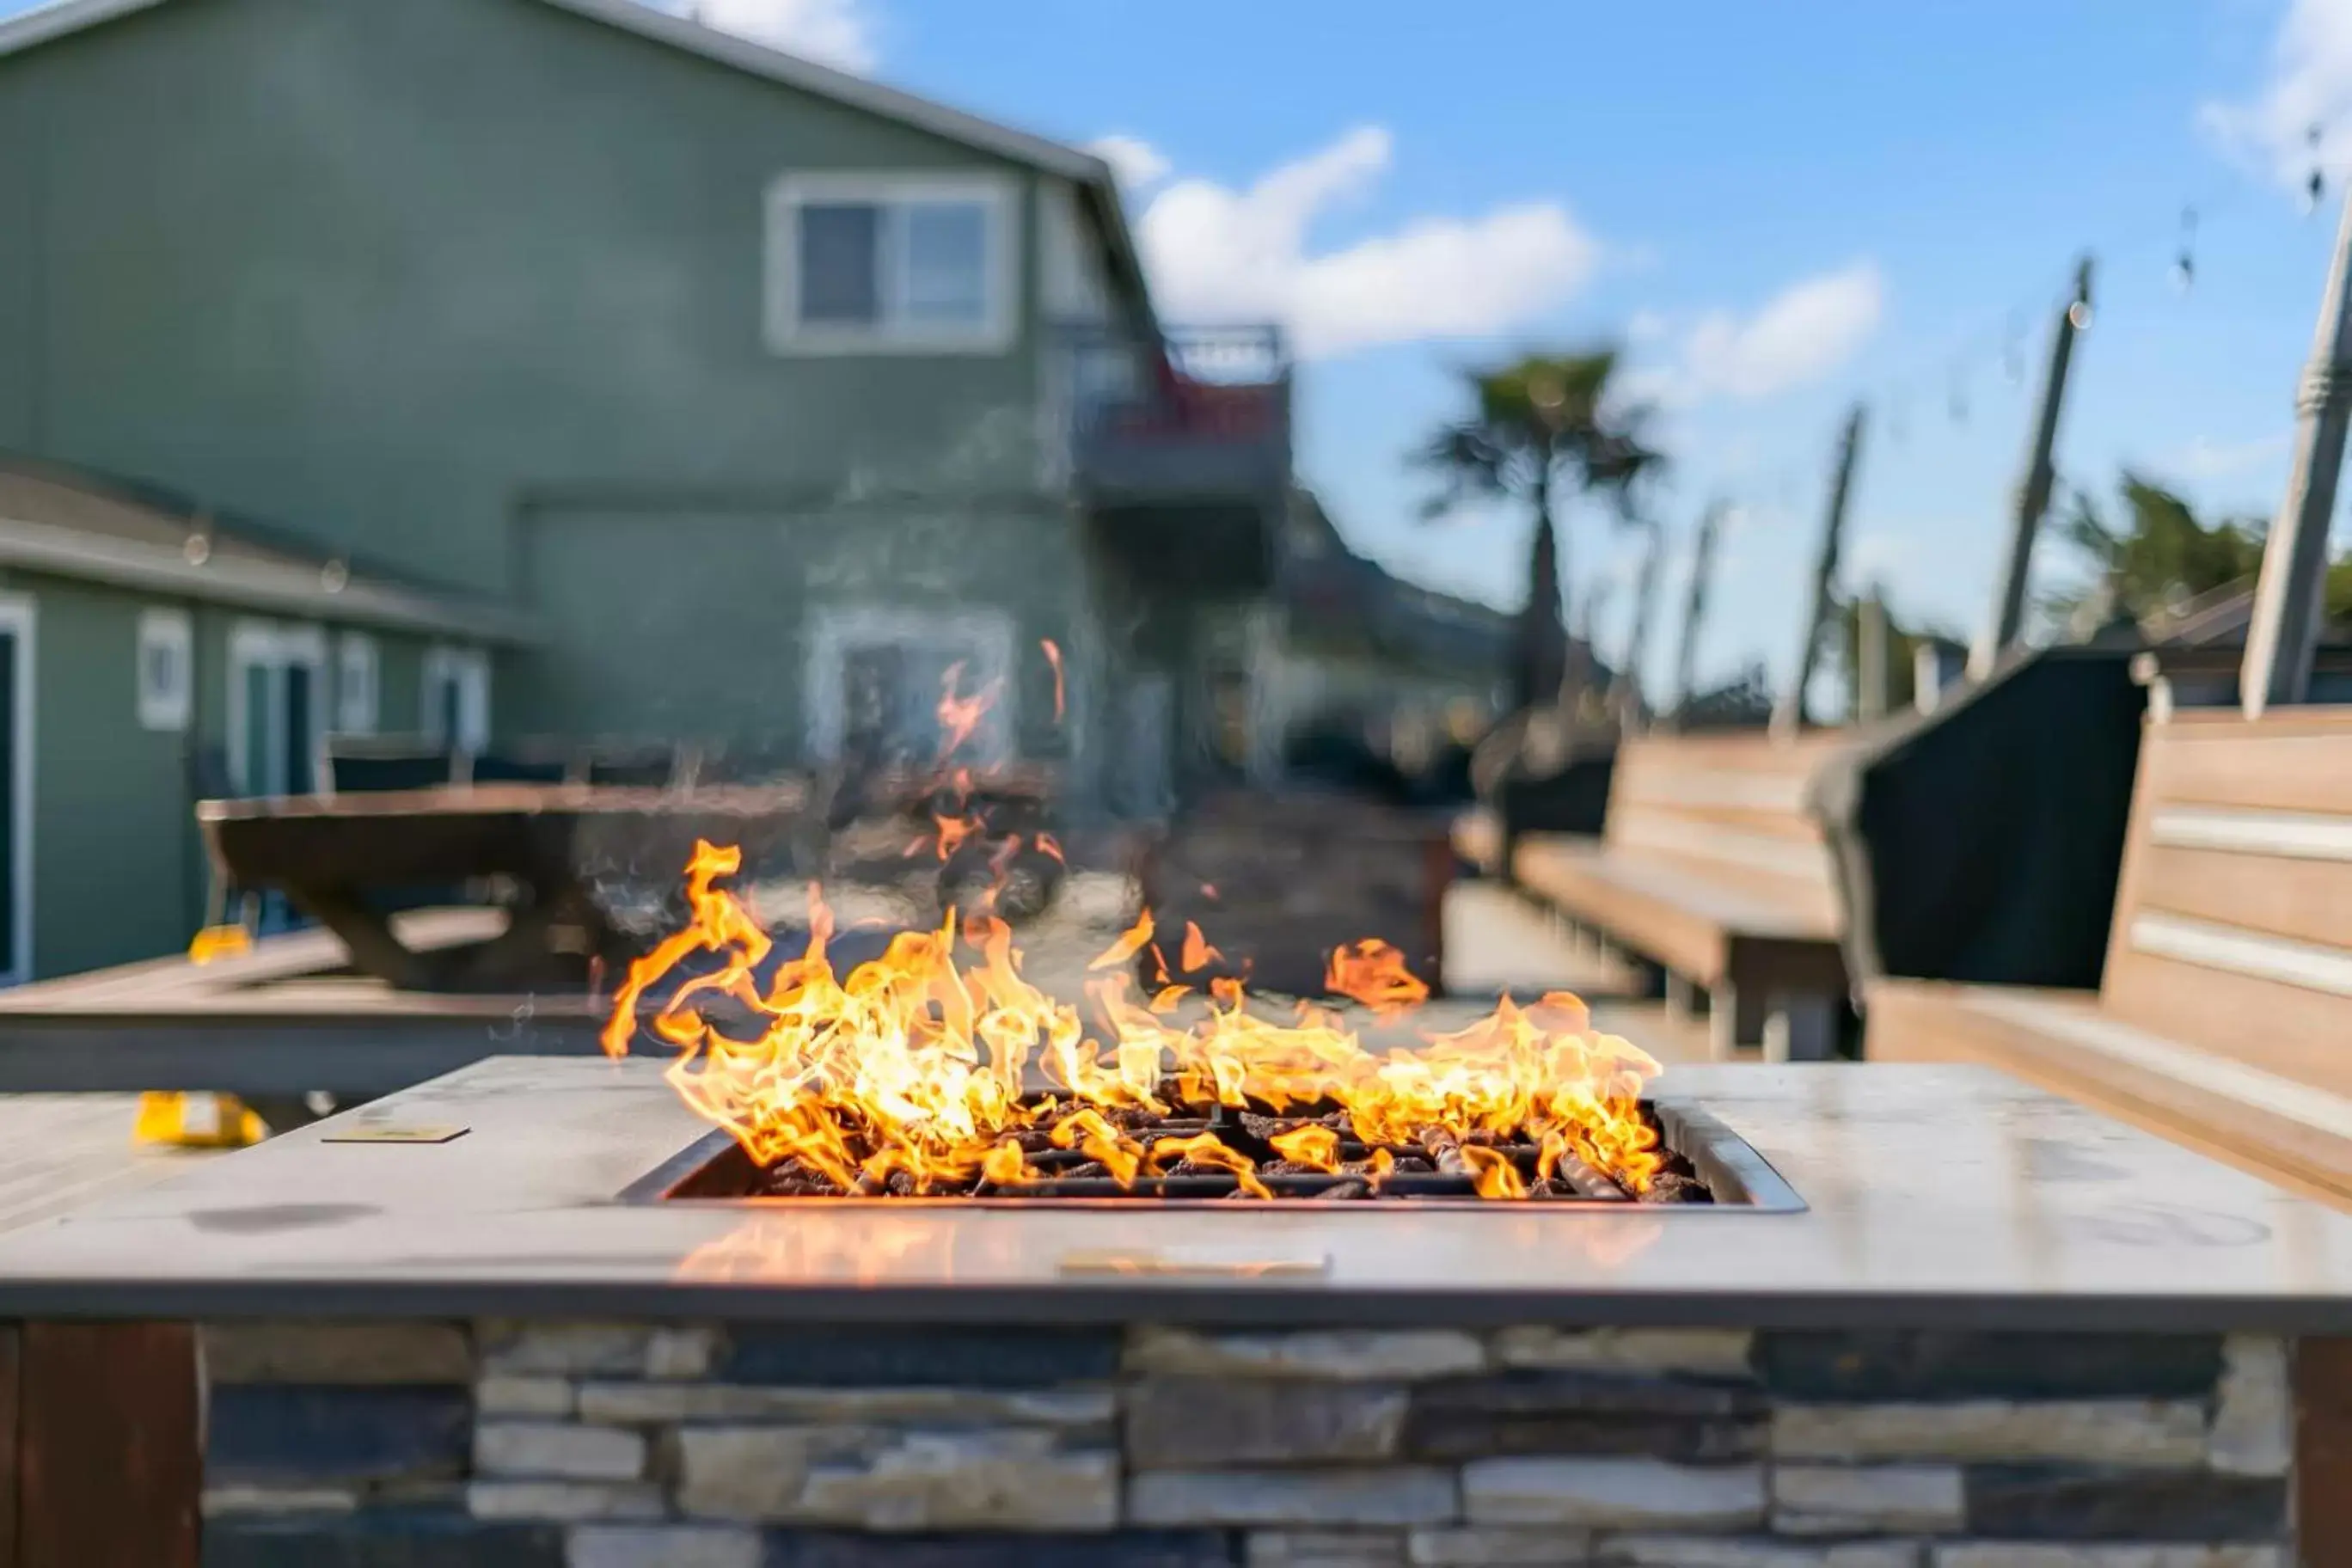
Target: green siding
(712, 649)
(111, 828)
(383, 270)
(118, 867)
(400, 680)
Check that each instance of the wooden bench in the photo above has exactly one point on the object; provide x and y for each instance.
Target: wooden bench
(2224, 1016)
(1710, 866)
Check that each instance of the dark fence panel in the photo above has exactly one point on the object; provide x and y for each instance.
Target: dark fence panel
(1983, 843)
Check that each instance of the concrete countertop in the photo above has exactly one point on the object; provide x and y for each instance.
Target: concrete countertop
(1937, 1196)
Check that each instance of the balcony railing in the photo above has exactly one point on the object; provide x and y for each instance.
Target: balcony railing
(1202, 416)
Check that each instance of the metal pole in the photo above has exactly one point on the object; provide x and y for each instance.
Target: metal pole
(1788, 714)
(1695, 606)
(2289, 597)
(2001, 630)
(1637, 640)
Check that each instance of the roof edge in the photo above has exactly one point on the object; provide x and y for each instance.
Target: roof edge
(43, 547)
(857, 91)
(42, 23)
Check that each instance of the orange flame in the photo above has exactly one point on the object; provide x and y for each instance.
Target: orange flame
(1197, 953)
(1374, 974)
(1136, 938)
(913, 1071)
(1054, 656)
(960, 716)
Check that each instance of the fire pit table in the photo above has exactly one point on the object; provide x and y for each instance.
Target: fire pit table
(1928, 1317)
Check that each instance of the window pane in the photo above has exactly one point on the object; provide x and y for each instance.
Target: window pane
(837, 281)
(947, 263)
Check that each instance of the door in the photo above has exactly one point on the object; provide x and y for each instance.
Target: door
(277, 713)
(276, 708)
(876, 678)
(457, 699)
(15, 790)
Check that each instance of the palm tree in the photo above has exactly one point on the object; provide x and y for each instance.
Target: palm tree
(2162, 558)
(1540, 426)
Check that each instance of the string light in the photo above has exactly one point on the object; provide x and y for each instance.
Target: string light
(2007, 335)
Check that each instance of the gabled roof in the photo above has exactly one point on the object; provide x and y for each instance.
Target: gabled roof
(1091, 173)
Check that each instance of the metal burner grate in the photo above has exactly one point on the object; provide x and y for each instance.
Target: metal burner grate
(1709, 1169)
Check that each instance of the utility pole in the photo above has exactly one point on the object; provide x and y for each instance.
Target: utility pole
(2008, 615)
(1695, 607)
(1788, 714)
(1637, 641)
(2290, 595)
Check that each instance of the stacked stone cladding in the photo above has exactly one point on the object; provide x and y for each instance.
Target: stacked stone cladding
(572, 1444)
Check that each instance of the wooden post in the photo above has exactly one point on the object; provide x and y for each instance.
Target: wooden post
(109, 1446)
(1789, 715)
(2290, 596)
(1695, 607)
(1870, 656)
(1637, 639)
(2001, 627)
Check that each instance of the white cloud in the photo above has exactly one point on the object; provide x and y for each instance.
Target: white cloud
(1220, 254)
(2310, 84)
(1137, 164)
(838, 33)
(1798, 336)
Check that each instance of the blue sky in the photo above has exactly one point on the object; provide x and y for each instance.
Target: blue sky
(1777, 209)
(1718, 155)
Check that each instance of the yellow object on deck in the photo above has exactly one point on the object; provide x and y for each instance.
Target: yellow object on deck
(197, 1122)
(219, 941)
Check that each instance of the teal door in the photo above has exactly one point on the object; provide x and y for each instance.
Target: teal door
(276, 708)
(12, 906)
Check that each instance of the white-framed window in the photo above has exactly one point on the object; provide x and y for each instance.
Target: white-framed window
(356, 684)
(167, 681)
(876, 676)
(457, 698)
(891, 264)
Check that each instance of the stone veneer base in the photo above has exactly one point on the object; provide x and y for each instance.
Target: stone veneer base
(556, 1444)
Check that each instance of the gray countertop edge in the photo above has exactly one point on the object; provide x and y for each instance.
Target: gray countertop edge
(1218, 1305)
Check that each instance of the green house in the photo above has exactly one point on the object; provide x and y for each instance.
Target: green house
(153, 654)
(724, 399)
